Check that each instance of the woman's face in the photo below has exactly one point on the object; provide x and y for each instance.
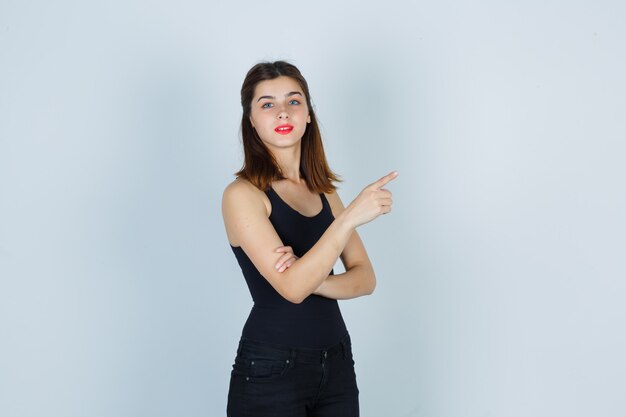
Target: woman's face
(279, 112)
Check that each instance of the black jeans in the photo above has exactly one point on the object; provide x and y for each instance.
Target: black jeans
(279, 381)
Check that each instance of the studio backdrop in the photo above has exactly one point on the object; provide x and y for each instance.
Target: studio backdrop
(501, 269)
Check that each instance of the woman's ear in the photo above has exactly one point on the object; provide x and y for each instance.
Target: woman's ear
(308, 119)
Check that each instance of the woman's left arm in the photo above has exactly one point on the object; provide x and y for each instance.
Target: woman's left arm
(359, 278)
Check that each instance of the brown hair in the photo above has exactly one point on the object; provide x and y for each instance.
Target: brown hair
(260, 166)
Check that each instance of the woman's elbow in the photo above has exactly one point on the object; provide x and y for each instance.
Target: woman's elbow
(295, 297)
(371, 286)
(288, 291)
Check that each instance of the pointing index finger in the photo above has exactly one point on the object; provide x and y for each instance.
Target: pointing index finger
(384, 180)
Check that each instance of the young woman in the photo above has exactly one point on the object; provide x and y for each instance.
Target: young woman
(287, 227)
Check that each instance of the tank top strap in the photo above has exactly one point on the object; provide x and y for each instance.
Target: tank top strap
(325, 202)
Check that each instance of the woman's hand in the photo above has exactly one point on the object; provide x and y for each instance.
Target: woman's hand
(287, 259)
(371, 202)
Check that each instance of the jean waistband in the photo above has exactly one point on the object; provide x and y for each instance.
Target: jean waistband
(299, 354)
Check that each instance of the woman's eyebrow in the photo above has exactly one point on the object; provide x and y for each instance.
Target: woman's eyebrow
(293, 93)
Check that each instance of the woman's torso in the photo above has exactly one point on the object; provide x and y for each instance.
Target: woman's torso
(317, 321)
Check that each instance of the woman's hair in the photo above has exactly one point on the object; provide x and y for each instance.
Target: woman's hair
(260, 166)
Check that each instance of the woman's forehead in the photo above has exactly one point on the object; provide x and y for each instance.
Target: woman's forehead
(277, 87)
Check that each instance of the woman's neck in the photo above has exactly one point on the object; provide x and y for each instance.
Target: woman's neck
(289, 162)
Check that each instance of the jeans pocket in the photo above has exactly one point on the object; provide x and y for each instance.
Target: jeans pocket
(267, 369)
(259, 366)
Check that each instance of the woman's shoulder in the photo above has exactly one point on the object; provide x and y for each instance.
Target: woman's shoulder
(239, 184)
(241, 192)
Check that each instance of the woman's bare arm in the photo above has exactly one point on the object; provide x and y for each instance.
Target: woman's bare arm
(359, 278)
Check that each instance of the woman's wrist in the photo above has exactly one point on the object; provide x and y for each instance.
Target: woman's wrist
(344, 222)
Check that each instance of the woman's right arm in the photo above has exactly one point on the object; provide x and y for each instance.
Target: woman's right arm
(247, 225)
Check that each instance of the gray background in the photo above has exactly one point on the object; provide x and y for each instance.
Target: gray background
(501, 271)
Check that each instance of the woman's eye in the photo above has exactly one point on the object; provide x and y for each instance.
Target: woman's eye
(267, 105)
(294, 102)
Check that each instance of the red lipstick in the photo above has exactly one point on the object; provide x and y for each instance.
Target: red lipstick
(284, 129)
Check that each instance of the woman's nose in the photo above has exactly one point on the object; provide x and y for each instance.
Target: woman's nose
(282, 111)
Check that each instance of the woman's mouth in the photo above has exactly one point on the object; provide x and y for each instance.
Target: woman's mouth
(284, 129)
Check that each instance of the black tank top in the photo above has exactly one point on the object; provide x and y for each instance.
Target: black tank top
(317, 321)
